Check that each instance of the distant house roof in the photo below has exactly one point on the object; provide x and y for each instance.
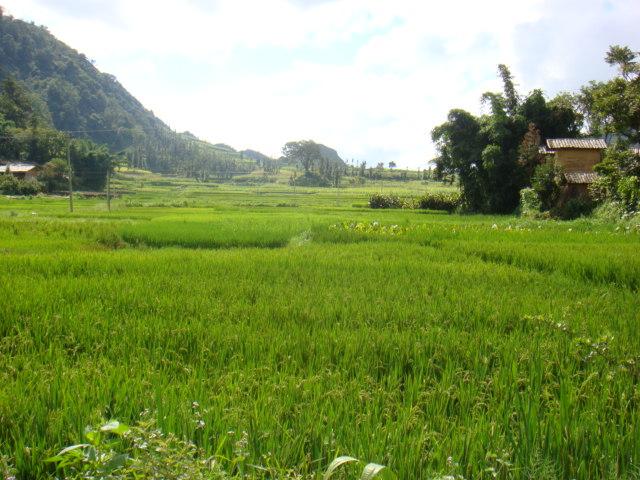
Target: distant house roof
(580, 177)
(18, 167)
(583, 143)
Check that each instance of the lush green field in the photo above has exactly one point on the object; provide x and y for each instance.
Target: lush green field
(307, 326)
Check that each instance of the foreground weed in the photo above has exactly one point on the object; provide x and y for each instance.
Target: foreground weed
(7, 472)
(370, 228)
(118, 451)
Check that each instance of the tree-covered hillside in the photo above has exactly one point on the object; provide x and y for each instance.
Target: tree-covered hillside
(73, 95)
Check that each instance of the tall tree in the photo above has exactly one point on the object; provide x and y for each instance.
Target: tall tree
(487, 154)
(613, 107)
(306, 153)
(510, 93)
(624, 59)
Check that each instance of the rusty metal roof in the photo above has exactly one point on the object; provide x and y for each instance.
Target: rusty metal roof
(580, 177)
(17, 167)
(583, 143)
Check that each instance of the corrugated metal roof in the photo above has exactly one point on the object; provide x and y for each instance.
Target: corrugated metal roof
(580, 177)
(17, 167)
(586, 143)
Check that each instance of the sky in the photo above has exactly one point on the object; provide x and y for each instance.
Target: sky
(370, 78)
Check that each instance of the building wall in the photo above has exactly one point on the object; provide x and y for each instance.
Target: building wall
(576, 160)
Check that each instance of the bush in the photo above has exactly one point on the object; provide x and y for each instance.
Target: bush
(117, 451)
(447, 201)
(53, 175)
(10, 185)
(574, 208)
(378, 200)
(609, 211)
(546, 182)
(619, 177)
(529, 202)
(309, 179)
(628, 190)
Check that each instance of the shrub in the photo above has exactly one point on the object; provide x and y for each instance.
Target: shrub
(609, 211)
(310, 179)
(10, 185)
(619, 177)
(377, 200)
(447, 201)
(53, 175)
(574, 208)
(628, 191)
(117, 451)
(529, 202)
(546, 182)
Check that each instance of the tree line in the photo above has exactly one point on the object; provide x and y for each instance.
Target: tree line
(27, 135)
(496, 155)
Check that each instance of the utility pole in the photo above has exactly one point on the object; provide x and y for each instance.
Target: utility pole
(70, 175)
(109, 187)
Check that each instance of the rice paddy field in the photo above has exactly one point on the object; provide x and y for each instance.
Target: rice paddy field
(307, 326)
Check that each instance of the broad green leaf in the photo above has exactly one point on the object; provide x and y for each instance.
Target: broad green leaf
(115, 427)
(337, 463)
(71, 448)
(371, 470)
(54, 459)
(91, 454)
(93, 436)
(116, 462)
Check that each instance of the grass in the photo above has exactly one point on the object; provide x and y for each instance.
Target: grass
(486, 347)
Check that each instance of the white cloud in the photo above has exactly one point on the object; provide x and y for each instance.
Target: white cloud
(415, 60)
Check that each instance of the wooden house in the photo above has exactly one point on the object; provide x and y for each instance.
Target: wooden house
(20, 170)
(577, 157)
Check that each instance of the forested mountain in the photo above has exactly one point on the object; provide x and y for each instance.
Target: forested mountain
(71, 94)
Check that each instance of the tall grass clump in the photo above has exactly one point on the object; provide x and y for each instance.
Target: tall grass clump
(447, 201)
(378, 200)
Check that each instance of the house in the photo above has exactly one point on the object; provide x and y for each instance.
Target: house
(20, 170)
(577, 157)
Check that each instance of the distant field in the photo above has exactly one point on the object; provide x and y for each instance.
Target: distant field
(486, 347)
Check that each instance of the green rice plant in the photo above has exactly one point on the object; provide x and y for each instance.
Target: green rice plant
(216, 232)
(462, 346)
